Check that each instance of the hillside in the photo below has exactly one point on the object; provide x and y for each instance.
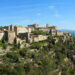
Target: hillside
(39, 58)
(42, 51)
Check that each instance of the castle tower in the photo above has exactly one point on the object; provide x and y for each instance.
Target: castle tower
(11, 28)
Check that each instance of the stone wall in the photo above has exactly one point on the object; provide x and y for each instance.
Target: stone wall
(1, 35)
(53, 32)
(39, 38)
(11, 37)
(20, 29)
(49, 29)
(11, 28)
(29, 37)
(33, 27)
(59, 33)
(44, 29)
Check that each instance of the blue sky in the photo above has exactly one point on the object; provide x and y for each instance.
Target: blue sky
(60, 13)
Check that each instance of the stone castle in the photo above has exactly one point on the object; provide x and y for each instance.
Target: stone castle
(20, 34)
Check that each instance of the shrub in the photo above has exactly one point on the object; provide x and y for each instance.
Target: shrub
(12, 57)
(38, 32)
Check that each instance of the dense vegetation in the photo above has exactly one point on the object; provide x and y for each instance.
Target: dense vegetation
(38, 32)
(41, 58)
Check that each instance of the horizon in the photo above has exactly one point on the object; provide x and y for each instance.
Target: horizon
(53, 12)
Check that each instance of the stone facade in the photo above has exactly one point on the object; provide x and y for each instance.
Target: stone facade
(1, 35)
(49, 29)
(59, 33)
(33, 27)
(20, 34)
(29, 37)
(37, 38)
(53, 32)
(9, 36)
(18, 29)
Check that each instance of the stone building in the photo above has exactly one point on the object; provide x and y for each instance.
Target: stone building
(35, 38)
(53, 32)
(1, 35)
(30, 37)
(33, 27)
(49, 29)
(18, 29)
(20, 34)
(9, 36)
(59, 33)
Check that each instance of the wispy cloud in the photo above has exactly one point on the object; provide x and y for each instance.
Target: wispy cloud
(51, 7)
(54, 9)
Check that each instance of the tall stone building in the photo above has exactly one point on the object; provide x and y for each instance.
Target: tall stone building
(9, 36)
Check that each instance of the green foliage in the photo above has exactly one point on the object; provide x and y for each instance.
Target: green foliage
(41, 58)
(38, 45)
(23, 52)
(38, 32)
(6, 70)
(12, 57)
(19, 69)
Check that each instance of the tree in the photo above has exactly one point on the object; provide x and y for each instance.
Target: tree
(12, 57)
(23, 52)
(38, 32)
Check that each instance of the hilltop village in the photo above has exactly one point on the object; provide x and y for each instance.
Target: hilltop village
(35, 50)
(20, 34)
